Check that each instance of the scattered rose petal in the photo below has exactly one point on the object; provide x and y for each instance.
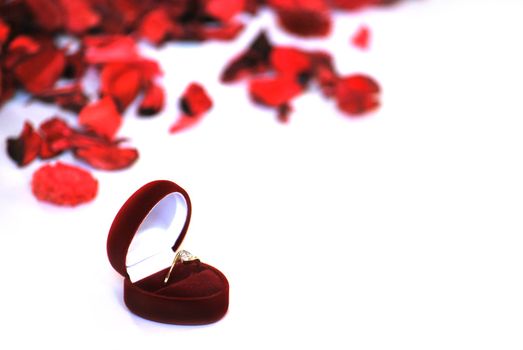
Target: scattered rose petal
(24, 44)
(56, 135)
(24, 148)
(122, 82)
(224, 10)
(110, 48)
(40, 71)
(351, 4)
(48, 14)
(87, 140)
(107, 157)
(284, 112)
(63, 184)
(152, 102)
(184, 122)
(274, 92)
(19, 49)
(307, 18)
(69, 97)
(292, 62)
(226, 32)
(79, 14)
(357, 94)
(361, 38)
(7, 86)
(253, 61)
(195, 100)
(46, 152)
(101, 117)
(290, 71)
(75, 66)
(101, 37)
(120, 15)
(194, 103)
(324, 72)
(4, 32)
(156, 26)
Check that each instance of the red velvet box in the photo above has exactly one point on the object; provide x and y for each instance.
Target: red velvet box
(196, 293)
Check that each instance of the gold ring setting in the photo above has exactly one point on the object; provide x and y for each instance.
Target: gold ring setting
(182, 256)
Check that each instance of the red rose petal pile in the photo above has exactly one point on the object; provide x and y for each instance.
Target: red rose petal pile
(107, 31)
(63, 184)
(46, 47)
(54, 136)
(278, 74)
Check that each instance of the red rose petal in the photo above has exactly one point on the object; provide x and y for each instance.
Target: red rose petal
(153, 101)
(107, 157)
(227, 31)
(224, 10)
(351, 4)
(303, 17)
(25, 44)
(252, 6)
(40, 71)
(101, 117)
(357, 94)
(253, 61)
(79, 15)
(184, 122)
(127, 11)
(290, 61)
(64, 185)
(386, 2)
(75, 66)
(46, 152)
(123, 82)
(156, 26)
(284, 112)
(31, 30)
(24, 149)
(18, 49)
(148, 68)
(60, 136)
(48, 14)
(4, 32)
(87, 140)
(194, 103)
(7, 86)
(56, 135)
(361, 38)
(110, 48)
(195, 100)
(274, 92)
(120, 16)
(69, 97)
(324, 72)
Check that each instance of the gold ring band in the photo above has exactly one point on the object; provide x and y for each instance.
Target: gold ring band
(181, 256)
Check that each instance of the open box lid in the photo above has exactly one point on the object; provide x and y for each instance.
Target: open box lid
(140, 238)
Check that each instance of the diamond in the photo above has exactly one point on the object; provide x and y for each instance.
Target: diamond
(185, 256)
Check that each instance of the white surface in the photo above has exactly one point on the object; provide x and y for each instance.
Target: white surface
(402, 230)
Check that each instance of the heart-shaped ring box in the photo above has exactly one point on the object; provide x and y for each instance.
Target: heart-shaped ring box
(139, 243)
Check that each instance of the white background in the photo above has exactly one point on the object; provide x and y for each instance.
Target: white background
(401, 230)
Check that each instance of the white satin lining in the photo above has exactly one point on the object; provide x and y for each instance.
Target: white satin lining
(150, 249)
